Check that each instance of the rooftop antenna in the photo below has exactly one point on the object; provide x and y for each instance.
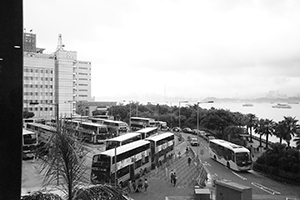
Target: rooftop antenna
(59, 44)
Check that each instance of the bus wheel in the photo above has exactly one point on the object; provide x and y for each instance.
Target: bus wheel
(228, 165)
(215, 158)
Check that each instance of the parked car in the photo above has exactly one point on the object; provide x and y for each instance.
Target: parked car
(176, 129)
(211, 137)
(194, 142)
(187, 130)
(196, 132)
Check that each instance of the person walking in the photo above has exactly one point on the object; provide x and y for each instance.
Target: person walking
(189, 160)
(174, 178)
(146, 184)
(172, 175)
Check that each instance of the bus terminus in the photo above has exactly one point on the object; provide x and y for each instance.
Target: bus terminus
(92, 132)
(122, 140)
(30, 142)
(121, 164)
(138, 123)
(147, 132)
(233, 156)
(162, 148)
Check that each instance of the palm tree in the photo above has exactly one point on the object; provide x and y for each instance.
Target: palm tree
(291, 128)
(64, 165)
(268, 129)
(251, 119)
(279, 131)
(259, 129)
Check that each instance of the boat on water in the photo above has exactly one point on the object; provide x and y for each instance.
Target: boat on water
(248, 104)
(282, 105)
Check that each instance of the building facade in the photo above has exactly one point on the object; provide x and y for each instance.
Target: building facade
(53, 81)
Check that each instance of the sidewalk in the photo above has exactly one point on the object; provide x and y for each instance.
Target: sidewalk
(160, 186)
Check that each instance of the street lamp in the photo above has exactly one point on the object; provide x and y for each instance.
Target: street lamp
(198, 121)
(179, 111)
(198, 110)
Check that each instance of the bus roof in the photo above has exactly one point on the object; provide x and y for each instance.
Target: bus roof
(229, 145)
(93, 124)
(160, 136)
(43, 126)
(113, 121)
(125, 148)
(27, 132)
(124, 137)
(142, 118)
(147, 129)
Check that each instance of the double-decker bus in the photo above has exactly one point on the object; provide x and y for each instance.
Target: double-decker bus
(122, 140)
(30, 142)
(147, 132)
(104, 117)
(92, 132)
(233, 156)
(44, 131)
(121, 164)
(162, 148)
(116, 128)
(138, 123)
(96, 120)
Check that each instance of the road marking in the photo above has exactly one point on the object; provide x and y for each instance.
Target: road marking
(206, 163)
(241, 177)
(264, 188)
(205, 147)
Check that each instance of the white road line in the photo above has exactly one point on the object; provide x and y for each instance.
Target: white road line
(241, 177)
(264, 188)
(205, 147)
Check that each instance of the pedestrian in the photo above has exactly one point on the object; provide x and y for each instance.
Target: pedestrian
(172, 175)
(140, 185)
(174, 178)
(146, 184)
(189, 160)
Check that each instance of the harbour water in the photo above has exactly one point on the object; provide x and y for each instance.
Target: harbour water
(261, 110)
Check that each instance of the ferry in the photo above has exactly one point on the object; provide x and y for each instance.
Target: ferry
(248, 104)
(282, 105)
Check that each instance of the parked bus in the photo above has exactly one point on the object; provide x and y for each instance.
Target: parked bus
(138, 123)
(96, 120)
(104, 117)
(122, 140)
(162, 148)
(121, 164)
(233, 156)
(147, 132)
(30, 142)
(116, 128)
(43, 131)
(93, 132)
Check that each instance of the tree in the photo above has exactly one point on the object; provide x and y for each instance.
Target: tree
(268, 130)
(65, 164)
(250, 121)
(297, 140)
(291, 128)
(258, 128)
(279, 130)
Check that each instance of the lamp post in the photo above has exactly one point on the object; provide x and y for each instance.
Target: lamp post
(179, 112)
(198, 121)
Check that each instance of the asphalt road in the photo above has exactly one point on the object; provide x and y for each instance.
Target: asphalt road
(260, 184)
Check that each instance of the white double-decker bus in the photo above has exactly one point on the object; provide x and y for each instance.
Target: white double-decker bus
(116, 128)
(138, 123)
(121, 164)
(30, 142)
(122, 140)
(93, 132)
(162, 148)
(147, 132)
(233, 156)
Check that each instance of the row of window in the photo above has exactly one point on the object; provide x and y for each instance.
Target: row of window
(50, 71)
(38, 78)
(40, 102)
(37, 86)
(38, 93)
(40, 109)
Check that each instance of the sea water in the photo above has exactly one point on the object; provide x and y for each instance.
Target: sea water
(260, 110)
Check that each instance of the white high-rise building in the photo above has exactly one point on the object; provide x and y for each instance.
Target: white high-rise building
(53, 80)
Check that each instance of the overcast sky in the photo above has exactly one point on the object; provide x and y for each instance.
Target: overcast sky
(157, 50)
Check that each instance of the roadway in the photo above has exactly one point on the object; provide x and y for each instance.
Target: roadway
(260, 184)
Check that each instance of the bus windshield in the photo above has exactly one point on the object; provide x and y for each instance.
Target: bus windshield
(102, 130)
(29, 139)
(112, 144)
(242, 157)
